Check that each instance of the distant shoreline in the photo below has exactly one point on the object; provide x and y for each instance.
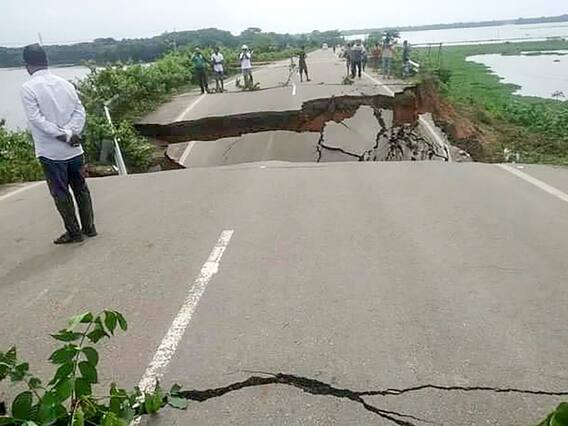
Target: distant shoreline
(463, 25)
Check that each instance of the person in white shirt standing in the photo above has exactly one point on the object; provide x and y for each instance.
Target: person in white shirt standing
(245, 58)
(56, 119)
(218, 60)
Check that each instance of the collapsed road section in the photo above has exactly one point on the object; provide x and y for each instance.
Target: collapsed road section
(343, 128)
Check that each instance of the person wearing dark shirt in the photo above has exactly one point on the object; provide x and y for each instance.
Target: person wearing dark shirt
(303, 65)
(200, 69)
(357, 53)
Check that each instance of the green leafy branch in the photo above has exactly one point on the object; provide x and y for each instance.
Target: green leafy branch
(67, 399)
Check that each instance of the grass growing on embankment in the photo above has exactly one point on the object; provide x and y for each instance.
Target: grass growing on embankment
(536, 128)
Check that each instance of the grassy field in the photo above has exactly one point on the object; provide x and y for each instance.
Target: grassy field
(536, 128)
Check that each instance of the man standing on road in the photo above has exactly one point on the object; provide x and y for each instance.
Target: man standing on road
(218, 60)
(357, 52)
(303, 65)
(56, 118)
(245, 58)
(200, 68)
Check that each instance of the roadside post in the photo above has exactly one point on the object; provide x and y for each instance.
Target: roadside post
(117, 152)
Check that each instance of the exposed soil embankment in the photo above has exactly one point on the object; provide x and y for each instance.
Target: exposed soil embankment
(461, 131)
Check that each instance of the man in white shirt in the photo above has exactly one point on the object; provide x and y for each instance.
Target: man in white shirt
(56, 118)
(245, 57)
(218, 60)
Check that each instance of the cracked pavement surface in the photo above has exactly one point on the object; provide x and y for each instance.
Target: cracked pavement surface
(348, 278)
(355, 122)
(362, 276)
(368, 134)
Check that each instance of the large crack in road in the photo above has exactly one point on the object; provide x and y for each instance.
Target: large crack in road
(346, 128)
(317, 387)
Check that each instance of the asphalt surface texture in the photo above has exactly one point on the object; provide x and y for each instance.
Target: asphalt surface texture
(329, 282)
(361, 276)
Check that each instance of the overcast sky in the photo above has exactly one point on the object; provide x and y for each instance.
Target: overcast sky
(83, 20)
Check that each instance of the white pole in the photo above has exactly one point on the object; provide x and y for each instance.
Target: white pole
(117, 152)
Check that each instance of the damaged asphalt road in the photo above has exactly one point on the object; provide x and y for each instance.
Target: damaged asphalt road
(351, 278)
(348, 129)
(365, 121)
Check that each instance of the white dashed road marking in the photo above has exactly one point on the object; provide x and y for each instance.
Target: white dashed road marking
(19, 191)
(171, 340)
(186, 152)
(538, 183)
(190, 107)
(380, 83)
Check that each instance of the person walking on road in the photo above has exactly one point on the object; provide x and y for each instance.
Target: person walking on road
(200, 68)
(388, 54)
(218, 62)
(245, 58)
(56, 119)
(303, 66)
(357, 59)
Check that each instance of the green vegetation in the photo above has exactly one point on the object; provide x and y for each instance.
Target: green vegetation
(135, 89)
(558, 417)
(536, 128)
(68, 399)
(17, 157)
(107, 50)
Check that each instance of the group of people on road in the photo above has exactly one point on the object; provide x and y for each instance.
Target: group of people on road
(216, 62)
(381, 55)
(201, 67)
(56, 120)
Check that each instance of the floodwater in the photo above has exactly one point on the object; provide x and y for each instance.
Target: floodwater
(484, 34)
(542, 76)
(11, 79)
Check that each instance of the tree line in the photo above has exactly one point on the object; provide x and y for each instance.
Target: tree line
(108, 50)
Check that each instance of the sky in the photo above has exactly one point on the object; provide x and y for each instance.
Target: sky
(68, 21)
